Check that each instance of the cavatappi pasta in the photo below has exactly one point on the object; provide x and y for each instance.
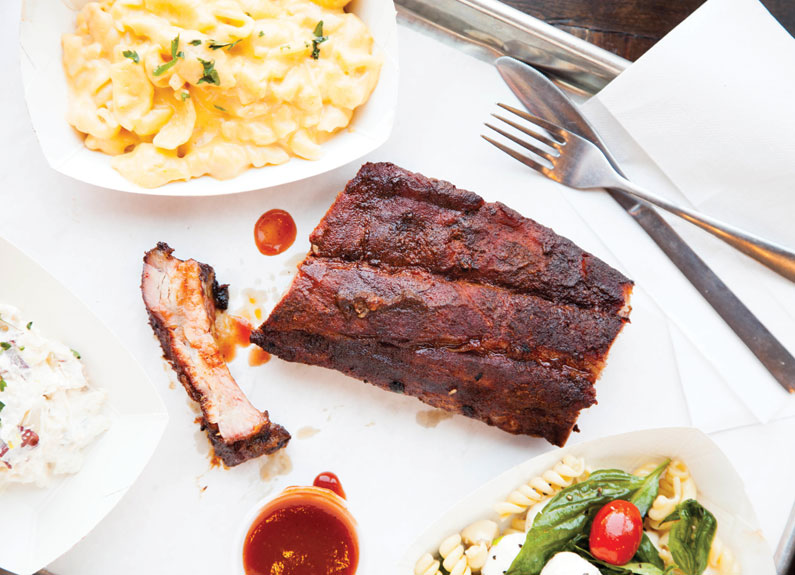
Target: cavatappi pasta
(469, 551)
(175, 89)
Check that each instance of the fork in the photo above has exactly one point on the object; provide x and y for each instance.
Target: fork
(572, 160)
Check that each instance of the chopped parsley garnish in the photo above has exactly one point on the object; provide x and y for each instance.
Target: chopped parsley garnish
(30, 324)
(132, 55)
(210, 75)
(5, 345)
(3, 384)
(184, 96)
(21, 348)
(217, 107)
(195, 42)
(2, 405)
(261, 33)
(77, 354)
(318, 40)
(213, 45)
(174, 55)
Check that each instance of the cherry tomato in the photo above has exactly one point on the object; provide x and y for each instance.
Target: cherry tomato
(616, 532)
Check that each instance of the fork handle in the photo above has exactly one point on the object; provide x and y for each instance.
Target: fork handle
(775, 256)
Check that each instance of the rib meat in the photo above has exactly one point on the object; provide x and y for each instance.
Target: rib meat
(182, 298)
(425, 289)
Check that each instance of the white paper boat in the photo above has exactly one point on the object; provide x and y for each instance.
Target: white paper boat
(38, 525)
(45, 21)
(720, 490)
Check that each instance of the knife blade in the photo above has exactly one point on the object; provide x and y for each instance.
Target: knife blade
(542, 98)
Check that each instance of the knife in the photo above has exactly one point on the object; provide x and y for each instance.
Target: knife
(542, 98)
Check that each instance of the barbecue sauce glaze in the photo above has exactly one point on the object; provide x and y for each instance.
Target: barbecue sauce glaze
(274, 232)
(304, 531)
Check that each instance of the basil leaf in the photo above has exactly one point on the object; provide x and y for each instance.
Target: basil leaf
(643, 569)
(644, 497)
(691, 537)
(633, 568)
(647, 553)
(5, 345)
(2, 405)
(3, 383)
(567, 514)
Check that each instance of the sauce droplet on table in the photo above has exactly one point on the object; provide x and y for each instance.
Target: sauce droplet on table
(258, 356)
(327, 480)
(274, 232)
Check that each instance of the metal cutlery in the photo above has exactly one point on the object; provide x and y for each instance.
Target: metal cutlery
(572, 160)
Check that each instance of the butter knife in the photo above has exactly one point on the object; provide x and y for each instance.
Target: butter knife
(542, 98)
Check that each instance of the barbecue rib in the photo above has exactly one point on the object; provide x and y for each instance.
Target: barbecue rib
(424, 289)
(181, 298)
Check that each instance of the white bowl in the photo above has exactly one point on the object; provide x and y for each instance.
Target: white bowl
(237, 567)
(45, 21)
(720, 489)
(41, 524)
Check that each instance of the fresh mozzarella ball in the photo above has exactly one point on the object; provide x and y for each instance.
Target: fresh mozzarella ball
(532, 512)
(502, 554)
(567, 563)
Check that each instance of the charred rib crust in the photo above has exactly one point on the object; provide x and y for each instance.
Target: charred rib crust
(434, 225)
(421, 288)
(270, 437)
(487, 388)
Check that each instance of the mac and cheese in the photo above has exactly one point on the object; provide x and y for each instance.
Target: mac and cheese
(176, 89)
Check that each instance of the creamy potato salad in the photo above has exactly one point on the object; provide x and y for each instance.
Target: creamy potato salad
(48, 411)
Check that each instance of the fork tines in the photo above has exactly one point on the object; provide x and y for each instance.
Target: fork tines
(548, 137)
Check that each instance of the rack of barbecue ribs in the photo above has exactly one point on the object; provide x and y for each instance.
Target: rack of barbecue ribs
(424, 289)
(182, 298)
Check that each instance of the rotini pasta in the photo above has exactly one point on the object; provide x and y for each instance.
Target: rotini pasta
(721, 558)
(175, 89)
(427, 565)
(676, 485)
(542, 487)
(454, 559)
(488, 547)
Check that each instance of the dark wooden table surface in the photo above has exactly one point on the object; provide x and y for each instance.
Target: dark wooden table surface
(628, 27)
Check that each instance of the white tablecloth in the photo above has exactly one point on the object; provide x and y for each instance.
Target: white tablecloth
(399, 475)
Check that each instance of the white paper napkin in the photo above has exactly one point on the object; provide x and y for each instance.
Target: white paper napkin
(706, 118)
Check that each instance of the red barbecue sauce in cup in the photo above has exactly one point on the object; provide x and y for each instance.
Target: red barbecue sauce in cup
(304, 531)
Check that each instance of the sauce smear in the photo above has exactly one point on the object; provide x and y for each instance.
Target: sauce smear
(274, 232)
(231, 332)
(258, 356)
(327, 480)
(304, 531)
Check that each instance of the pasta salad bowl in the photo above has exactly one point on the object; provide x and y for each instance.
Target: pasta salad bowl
(738, 547)
(241, 142)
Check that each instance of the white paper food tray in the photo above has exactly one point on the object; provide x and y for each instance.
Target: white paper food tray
(720, 490)
(38, 524)
(45, 21)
